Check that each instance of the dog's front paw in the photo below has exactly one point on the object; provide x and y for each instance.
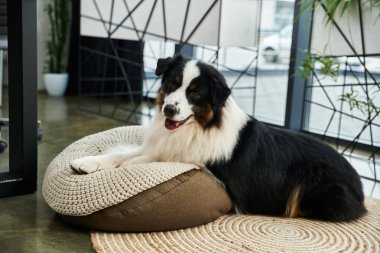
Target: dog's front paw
(89, 164)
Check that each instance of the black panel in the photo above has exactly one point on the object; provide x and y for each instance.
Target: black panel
(22, 50)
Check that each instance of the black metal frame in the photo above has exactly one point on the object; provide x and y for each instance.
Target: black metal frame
(301, 39)
(22, 49)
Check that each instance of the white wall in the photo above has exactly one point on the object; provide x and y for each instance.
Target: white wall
(327, 39)
(268, 15)
(238, 21)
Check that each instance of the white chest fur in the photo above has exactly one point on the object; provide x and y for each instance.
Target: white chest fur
(191, 143)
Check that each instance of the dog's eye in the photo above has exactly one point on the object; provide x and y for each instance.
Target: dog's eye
(194, 94)
(170, 86)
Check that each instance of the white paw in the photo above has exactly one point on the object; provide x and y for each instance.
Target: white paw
(89, 164)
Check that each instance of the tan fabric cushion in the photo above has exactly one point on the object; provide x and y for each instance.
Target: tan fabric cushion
(188, 200)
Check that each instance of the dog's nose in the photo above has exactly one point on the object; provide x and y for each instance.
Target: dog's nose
(170, 110)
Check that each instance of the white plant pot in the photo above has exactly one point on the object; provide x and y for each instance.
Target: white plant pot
(56, 84)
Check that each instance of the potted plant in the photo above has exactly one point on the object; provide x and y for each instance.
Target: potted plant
(55, 77)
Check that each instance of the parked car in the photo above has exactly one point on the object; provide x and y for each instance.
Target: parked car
(277, 46)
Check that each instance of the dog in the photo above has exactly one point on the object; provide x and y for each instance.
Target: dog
(265, 170)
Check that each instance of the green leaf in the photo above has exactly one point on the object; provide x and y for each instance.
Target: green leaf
(58, 14)
(330, 67)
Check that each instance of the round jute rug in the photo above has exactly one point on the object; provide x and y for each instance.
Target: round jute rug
(248, 233)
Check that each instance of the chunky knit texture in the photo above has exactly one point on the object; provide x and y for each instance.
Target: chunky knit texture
(70, 193)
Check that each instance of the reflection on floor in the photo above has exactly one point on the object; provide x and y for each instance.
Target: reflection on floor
(27, 224)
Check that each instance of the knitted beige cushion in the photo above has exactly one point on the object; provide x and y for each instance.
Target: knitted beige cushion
(72, 194)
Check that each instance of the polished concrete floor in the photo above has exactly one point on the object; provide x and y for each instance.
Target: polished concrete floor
(27, 224)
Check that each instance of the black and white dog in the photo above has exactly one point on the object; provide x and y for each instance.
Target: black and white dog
(265, 170)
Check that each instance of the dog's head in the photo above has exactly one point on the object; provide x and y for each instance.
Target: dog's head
(191, 91)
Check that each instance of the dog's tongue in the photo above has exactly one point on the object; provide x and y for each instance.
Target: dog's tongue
(171, 124)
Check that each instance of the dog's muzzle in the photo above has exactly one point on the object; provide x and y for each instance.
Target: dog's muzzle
(170, 110)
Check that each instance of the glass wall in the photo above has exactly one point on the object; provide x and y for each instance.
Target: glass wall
(344, 102)
(257, 74)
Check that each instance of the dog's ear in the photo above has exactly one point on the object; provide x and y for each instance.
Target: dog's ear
(219, 91)
(164, 65)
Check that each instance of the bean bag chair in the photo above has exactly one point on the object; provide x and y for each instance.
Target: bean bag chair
(147, 197)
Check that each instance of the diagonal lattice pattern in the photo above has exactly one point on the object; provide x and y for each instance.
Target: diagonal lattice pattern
(115, 55)
(353, 129)
(125, 96)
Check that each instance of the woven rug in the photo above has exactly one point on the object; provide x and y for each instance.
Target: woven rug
(248, 233)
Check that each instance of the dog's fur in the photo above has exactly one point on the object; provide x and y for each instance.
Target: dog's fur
(265, 170)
